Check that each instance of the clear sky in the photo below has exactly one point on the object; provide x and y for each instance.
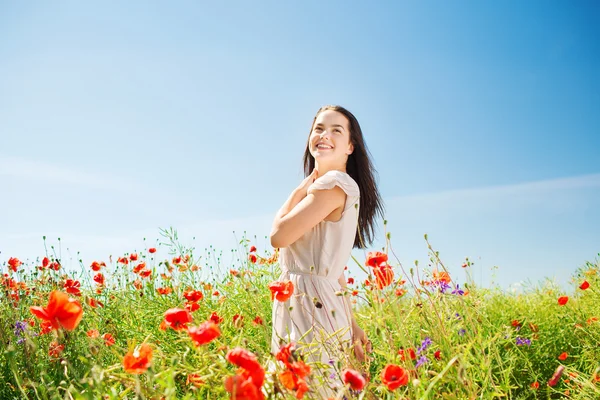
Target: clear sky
(117, 118)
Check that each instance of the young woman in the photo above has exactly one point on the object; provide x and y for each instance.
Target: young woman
(332, 211)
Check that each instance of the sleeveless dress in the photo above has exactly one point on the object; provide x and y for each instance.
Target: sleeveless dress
(315, 318)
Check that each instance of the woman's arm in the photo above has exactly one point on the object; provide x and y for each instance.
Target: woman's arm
(359, 338)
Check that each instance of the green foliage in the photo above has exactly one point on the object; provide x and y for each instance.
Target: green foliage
(481, 343)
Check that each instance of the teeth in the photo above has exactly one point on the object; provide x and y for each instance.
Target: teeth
(324, 146)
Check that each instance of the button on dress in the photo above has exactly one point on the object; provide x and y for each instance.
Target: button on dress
(315, 318)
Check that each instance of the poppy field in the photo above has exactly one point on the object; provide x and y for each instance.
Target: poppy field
(163, 323)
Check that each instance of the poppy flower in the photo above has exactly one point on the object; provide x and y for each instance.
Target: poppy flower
(563, 300)
(411, 354)
(248, 361)
(535, 385)
(99, 278)
(237, 320)
(191, 306)
(584, 285)
(61, 311)
(164, 291)
(384, 276)
(177, 318)
(556, 376)
(55, 349)
(96, 266)
(257, 321)
(393, 376)
(242, 387)
(205, 333)
(515, 323)
(133, 257)
(145, 273)
(354, 379)
(252, 249)
(72, 287)
(441, 276)
(139, 267)
(438, 355)
(375, 259)
(152, 250)
(563, 356)
(293, 378)
(137, 360)
(252, 258)
(123, 260)
(350, 281)
(93, 333)
(109, 339)
(14, 263)
(281, 291)
(195, 380)
(45, 327)
(45, 262)
(214, 317)
(193, 295)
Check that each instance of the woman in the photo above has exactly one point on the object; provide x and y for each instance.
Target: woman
(329, 213)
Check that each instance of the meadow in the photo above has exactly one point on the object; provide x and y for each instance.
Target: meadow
(162, 323)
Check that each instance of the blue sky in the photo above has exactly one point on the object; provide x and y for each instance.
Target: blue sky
(117, 118)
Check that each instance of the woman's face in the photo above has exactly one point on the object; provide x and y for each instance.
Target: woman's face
(330, 138)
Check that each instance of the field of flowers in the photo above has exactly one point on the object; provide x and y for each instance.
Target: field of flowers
(161, 323)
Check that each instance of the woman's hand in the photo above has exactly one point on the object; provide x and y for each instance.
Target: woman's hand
(303, 188)
(361, 343)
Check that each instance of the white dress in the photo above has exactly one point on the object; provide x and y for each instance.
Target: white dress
(315, 318)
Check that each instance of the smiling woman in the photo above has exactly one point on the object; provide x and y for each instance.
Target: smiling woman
(330, 212)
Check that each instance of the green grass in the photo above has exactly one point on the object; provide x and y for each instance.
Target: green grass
(479, 355)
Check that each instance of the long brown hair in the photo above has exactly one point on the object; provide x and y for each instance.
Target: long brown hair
(360, 168)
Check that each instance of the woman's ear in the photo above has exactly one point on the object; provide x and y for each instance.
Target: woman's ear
(350, 149)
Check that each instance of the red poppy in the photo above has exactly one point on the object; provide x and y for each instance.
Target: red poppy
(441, 276)
(237, 320)
(384, 276)
(375, 259)
(515, 323)
(123, 260)
(393, 376)
(205, 333)
(193, 295)
(55, 349)
(93, 333)
(563, 356)
(177, 318)
(45, 327)
(55, 266)
(97, 265)
(61, 311)
(151, 250)
(133, 257)
(252, 249)
(14, 263)
(191, 306)
(252, 258)
(248, 361)
(109, 339)
(411, 354)
(242, 387)
(563, 300)
(45, 262)
(214, 317)
(164, 291)
(285, 354)
(137, 360)
(438, 355)
(194, 379)
(350, 281)
(293, 378)
(281, 291)
(584, 285)
(234, 272)
(145, 273)
(354, 379)
(72, 287)
(556, 376)
(99, 278)
(535, 385)
(257, 321)
(139, 267)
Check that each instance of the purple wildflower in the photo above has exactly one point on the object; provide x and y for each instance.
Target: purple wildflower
(424, 345)
(422, 360)
(523, 341)
(462, 332)
(443, 286)
(458, 291)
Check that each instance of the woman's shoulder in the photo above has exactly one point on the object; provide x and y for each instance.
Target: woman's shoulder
(339, 178)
